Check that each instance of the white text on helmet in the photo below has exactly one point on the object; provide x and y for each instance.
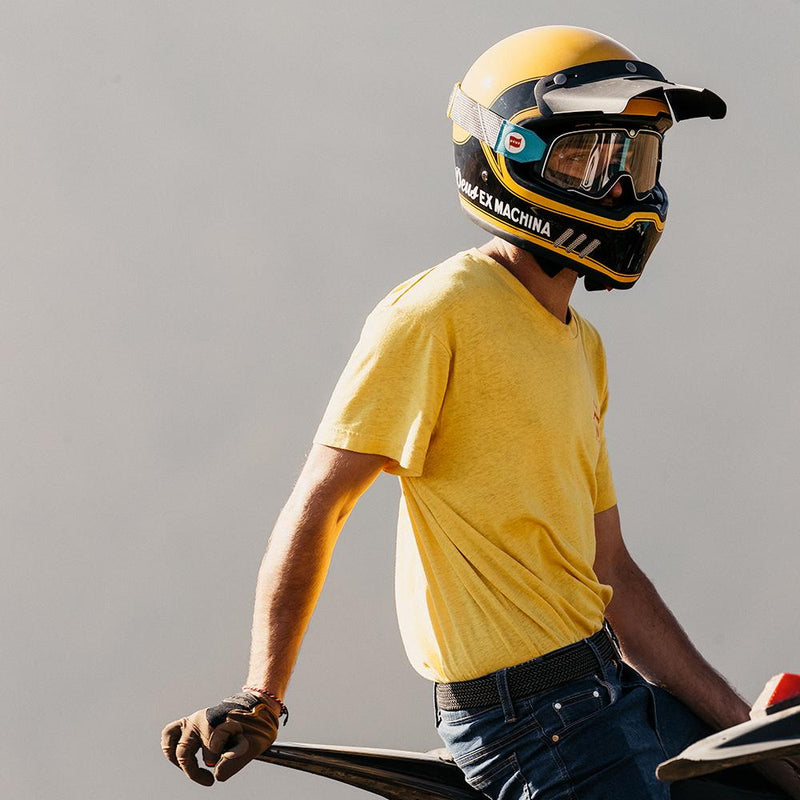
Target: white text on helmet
(526, 219)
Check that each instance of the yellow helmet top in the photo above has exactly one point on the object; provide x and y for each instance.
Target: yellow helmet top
(531, 54)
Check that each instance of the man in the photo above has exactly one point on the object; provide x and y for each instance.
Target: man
(479, 386)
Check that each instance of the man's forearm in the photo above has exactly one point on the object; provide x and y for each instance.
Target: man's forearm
(655, 644)
(299, 553)
(290, 580)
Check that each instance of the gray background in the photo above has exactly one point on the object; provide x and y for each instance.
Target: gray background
(199, 204)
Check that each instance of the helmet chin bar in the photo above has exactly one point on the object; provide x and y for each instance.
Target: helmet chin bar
(551, 268)
(633, 249)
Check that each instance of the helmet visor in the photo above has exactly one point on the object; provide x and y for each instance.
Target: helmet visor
(591, 162)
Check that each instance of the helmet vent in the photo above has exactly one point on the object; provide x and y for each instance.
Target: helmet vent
(577, 243)
(590, 248)
(563, 238)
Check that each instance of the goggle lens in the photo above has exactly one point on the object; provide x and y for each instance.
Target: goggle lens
(591, 162)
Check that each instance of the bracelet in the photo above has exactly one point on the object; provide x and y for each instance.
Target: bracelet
(266, 693)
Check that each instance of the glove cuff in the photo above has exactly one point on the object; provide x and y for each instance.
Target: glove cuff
(246, 701)
(265, 693)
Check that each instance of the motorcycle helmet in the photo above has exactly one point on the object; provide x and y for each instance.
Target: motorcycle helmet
(546, 123)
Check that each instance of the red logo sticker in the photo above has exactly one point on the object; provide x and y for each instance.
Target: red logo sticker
(514, 143)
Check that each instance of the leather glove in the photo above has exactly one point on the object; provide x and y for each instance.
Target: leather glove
(230, 734)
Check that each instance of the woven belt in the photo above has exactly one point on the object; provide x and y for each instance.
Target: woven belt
(553, 669)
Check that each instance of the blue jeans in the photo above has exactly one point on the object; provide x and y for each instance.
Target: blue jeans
(597, 738)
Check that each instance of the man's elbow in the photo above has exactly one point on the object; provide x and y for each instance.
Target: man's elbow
(617, 571)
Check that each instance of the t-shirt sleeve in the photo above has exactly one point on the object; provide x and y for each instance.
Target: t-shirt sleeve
(606, 495)
(388, 398)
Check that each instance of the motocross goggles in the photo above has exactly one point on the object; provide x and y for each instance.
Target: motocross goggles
(591, 161)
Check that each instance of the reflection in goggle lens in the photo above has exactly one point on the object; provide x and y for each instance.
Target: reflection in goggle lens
(591, 161)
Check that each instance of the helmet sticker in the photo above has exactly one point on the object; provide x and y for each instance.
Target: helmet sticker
(514, 143)
(517, 143)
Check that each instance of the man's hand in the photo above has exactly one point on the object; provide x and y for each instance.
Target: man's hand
(230, 734)
(292, 573)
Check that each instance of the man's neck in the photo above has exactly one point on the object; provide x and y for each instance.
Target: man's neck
(552, 293)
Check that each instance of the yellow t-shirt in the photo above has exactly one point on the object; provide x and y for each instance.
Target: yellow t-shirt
(492, 411)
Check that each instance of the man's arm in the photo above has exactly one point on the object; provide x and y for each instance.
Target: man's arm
(652, 640)
(290, 580)
(298, 556)
(654, 643)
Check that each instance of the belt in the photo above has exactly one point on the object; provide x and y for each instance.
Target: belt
(570, 663)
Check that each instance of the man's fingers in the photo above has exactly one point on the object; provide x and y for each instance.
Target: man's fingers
(234, 758)
(218, 740)
(228, 735)
(186, 751)
(169, 741)
(240, 746)
(210, 758)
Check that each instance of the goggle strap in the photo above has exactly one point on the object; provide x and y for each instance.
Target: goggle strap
(504, 137)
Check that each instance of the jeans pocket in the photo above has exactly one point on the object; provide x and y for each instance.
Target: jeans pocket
(502, 780)
(562, 710)
(577, 707)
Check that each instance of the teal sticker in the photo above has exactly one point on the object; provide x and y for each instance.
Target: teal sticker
(519, 144)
